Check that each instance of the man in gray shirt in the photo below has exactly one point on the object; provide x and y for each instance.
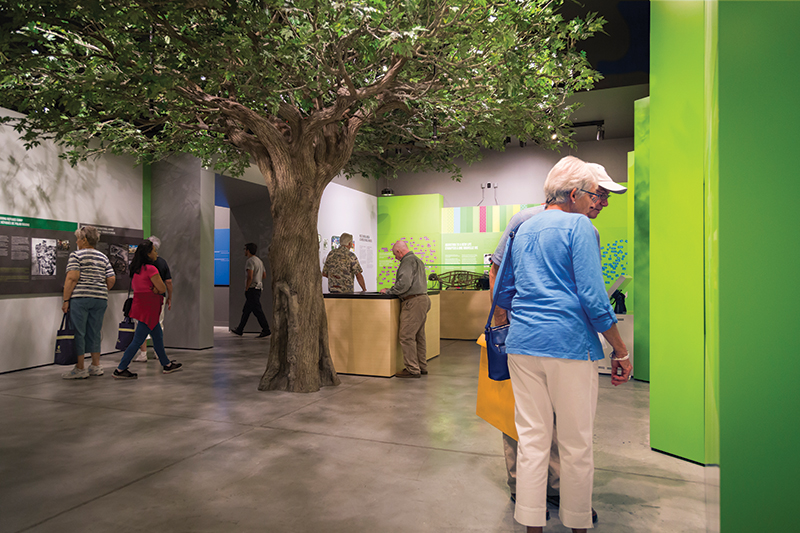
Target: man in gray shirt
(411, 286)
(253, 286)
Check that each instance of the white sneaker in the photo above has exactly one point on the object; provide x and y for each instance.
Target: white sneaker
(76, 373)
(95, 370)
(141, 357)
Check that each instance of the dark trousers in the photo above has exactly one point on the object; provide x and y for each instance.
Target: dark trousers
(252, 304)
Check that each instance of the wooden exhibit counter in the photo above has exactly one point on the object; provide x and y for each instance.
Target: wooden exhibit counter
(363, 332)
(464, 313)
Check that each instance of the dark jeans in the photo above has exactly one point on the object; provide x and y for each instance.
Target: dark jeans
(252, 304)
(139, 336)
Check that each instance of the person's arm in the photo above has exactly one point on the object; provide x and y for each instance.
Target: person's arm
(500, 314)
(620, 352)
(249, 279)
(405, 277)
(111, 281)
(169, 293)
(360, 279)
(264, 274)
(73, 276)
(594, 299)
(158, 283)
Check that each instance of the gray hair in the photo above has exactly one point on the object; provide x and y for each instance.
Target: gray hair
(345, 239)
(568, 174)
(156, 242)
(90, 233)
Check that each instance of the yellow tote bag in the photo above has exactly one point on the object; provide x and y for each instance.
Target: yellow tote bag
(495, 398)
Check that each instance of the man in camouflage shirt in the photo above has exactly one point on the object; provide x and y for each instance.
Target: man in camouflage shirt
(341, 265)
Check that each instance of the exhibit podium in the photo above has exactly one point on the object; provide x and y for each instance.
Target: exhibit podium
(363, 332)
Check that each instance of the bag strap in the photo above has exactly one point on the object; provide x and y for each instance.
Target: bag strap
(65, 321)
(499, 279)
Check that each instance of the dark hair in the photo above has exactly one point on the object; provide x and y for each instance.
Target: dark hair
(251, 247)
(140, 258)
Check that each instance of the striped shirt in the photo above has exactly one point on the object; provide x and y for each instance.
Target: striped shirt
(94, 268)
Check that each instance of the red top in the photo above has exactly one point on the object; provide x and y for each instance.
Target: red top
(146, 304)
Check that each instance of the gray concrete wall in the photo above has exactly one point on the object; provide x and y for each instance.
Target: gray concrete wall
(250, 222)
(183, 218)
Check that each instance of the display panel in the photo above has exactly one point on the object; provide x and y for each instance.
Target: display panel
(34, 253)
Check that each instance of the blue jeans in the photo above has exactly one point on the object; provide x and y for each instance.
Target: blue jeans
(86, 315)
(139, 335)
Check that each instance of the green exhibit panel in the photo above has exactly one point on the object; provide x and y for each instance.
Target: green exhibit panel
(759, 254)
(615, 249)
(677, 233)
(415, 219)
(640, 196)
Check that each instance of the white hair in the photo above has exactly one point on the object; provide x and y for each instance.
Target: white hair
(156, 242)
(568, 174)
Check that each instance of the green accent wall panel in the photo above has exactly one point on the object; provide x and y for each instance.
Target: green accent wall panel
(759, 254)
(641, 229)
(417, 219)
(677, 162)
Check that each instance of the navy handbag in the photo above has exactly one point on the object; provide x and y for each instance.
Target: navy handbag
(65, 343)
(125, 335)
(496, 335)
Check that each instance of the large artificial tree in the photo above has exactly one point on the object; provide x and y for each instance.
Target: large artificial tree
(305, 90)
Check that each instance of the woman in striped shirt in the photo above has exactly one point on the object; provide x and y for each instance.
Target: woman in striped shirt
(89, 278)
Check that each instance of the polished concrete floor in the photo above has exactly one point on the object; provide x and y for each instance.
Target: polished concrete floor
(203, 450)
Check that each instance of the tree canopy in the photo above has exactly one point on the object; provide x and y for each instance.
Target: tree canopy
(408, 84)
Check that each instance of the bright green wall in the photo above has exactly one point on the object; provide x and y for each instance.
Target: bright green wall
(641, 229)
(677, 162)
(759, 254)
(417, 219)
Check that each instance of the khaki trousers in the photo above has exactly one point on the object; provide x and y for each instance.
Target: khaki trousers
(544, 386)
(413, 314)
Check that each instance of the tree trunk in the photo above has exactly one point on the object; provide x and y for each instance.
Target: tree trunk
(299, 358)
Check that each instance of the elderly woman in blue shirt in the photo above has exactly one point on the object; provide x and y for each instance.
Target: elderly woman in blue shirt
(559, 307)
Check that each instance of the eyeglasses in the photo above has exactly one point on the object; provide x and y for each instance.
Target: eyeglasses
(597, 197)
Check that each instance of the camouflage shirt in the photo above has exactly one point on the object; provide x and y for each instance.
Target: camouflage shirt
(340, 267)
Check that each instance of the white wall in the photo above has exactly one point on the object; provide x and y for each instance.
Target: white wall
(519, 174)
(346, 210)
(36, 183)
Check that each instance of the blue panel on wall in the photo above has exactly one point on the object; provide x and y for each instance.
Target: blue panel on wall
(222, 257)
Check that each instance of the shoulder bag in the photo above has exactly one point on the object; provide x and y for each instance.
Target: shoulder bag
(496, 335)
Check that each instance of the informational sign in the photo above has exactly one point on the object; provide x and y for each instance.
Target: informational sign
(34, 253)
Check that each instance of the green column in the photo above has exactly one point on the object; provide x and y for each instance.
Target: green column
(678, 154)
(759, 254)
(641, 241)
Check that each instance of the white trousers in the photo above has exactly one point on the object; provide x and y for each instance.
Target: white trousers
(543, 386)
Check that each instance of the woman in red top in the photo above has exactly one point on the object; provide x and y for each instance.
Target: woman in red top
(148, 294)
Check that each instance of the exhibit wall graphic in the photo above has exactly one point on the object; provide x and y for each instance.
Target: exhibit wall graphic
(415, 219)
(346, 210)
(470, 235)
(34, 253)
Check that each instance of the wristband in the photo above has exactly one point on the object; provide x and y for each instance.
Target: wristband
(66, 301)
(621, 358)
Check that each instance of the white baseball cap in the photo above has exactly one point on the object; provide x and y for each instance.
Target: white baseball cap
(605, 181)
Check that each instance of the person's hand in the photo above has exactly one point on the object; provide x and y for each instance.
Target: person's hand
(65, 307)
(384, 291)
(169, 304)
(155, 291)
(620, 370)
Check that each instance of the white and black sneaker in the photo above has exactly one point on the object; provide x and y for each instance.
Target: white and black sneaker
(172, 367)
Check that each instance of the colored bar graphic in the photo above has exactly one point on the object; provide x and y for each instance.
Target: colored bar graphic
(482, 223)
